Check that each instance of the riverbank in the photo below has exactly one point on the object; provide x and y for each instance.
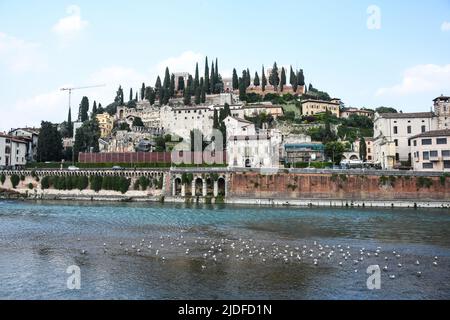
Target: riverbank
(143, 196)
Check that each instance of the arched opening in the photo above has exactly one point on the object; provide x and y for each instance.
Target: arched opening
(247, 163)
(198, 187)
(209, 187)
(121, 114)
(178, 187)
(353, 157)
(221, 187)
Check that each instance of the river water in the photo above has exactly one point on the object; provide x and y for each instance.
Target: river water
(156, 251)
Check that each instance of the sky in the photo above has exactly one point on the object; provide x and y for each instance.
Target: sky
(368, 53)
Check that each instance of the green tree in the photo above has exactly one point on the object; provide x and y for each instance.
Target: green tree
(235, 80)
(94, 109)
(86, 138)
(131, 94)
(150, 95)
(198, 92)
(207, 89)
(203, 92)
(197, 78)
(274, 78)
(263, 80)
(15, 179)
(143, 91)
(256, 81)
(69, 124)
(84, 110)
(300, 78)
(212, 83)
(335, 150)
(119, 97)
(187, 96)
(158, 84)
(242, 89)
(386, 110)
(248, 80)
(172, 86)
(363, 149)
(49, 143)
(216, 120)
(283, 79)
(180, 83)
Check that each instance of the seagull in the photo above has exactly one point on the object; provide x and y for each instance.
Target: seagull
(417, 263)
(83, 251)
(419, 273)
(392, 277)
(385, 268)
(435, 263)
(399, 265)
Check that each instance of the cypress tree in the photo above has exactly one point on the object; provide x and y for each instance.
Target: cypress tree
(217, 79)
(131, 94)
(158, 83)
(143, 91)
(300, 78)
(242, 89)
(212, 81)
(248, 80)
(180, 83)
(197, 78)
(172, 86)
(207, 76)
(69, 123)
(274, 78)
(235, 80)
(283, 79)
(256, 82)
(187, 95)
(84, 109)
(203, 92)
(94, 109)
(215, 120)
(263, 80)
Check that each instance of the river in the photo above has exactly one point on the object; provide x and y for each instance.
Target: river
(169, 251)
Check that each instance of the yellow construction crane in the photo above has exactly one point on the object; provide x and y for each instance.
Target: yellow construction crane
(79, 88)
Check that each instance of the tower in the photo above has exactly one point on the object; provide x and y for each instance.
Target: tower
(442, 111)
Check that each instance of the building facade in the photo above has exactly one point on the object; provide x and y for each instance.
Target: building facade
(431, 151)
(106, 124)
(13, 152)
(311, 107)
(247, 148)
(392, 132)
(303, 152)
(31, 136)
(442, 111)
(347, 112)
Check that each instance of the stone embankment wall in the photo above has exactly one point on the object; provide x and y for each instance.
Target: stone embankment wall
(342, 187)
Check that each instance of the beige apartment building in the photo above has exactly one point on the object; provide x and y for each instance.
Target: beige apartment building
(311, 107)
(431, 151)
(106, 124)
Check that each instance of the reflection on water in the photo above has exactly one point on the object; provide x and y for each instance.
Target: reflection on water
(153, 251)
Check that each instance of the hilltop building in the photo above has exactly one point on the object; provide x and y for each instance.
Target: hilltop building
(311, 107)
(431, 151)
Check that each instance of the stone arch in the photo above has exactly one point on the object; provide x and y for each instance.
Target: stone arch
(177, 186)
(209, 186)
(221, 187)
(198, 184)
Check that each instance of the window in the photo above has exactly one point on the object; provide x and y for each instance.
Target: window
(409, 129)
(426, 156)
(397, 157)
(433, 154)
(395, 130)
(424, 129)
(446, 164)
(441, 140)
(446, 153)
(428, 165)
(409, 143)
(396, 142)
(415, 143)
(426, 142)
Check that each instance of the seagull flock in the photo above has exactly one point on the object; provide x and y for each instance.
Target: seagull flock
(214, 251)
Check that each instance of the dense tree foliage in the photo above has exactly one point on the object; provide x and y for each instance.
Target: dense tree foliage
(49, 143)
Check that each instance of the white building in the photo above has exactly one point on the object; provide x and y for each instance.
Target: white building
(150, 115)
(392, 132)
(431, 151)
(251, 149)
(13, 152)
(31, 136)
(181, 121)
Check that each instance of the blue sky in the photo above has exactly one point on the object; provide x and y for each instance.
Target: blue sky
(45, 45)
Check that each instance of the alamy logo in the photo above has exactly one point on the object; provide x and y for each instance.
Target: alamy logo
(74, 280)
(374, 19)
(374, 281)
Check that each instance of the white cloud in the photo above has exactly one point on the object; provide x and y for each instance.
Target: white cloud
(72, 24)
(445, 26)
(53, 105)
(427, 78)
(19, 55)
(183, 63)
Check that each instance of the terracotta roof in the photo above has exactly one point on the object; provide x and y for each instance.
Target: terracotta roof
(407, 115)
(320, 101)
(434, 133)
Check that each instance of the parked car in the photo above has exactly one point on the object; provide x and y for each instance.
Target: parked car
(117, 168)
(73, 168)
